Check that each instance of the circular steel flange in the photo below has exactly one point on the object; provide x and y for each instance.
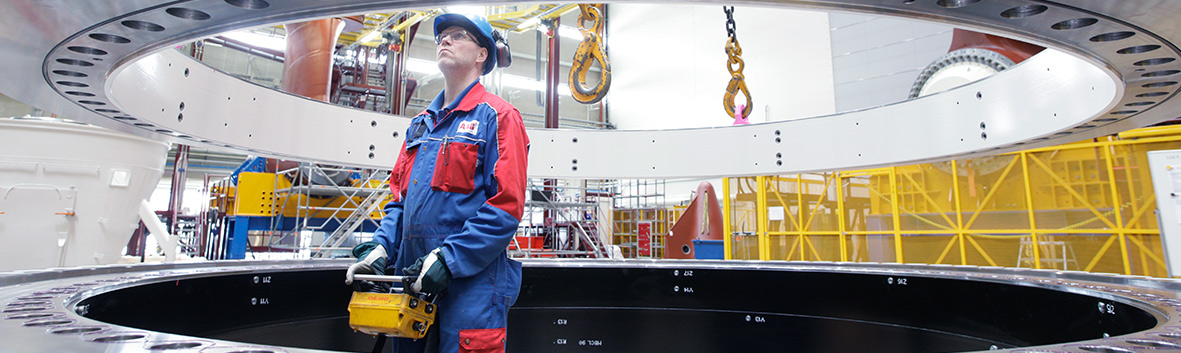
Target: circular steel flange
(1109, 68)
(987, 61)
(77, 294)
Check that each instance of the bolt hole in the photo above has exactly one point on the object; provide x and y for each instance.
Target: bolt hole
(143, 26)
(1113, 36)
(685, 249)
(1156, 61)
(1105, 349)
(75, 62)
(72, 84)
(180, 117)
(1074, 24)
(249, 4)
(117, 338)
(983, 135)
(373, 123)
(173, 346)
(70, 73)
(371, 155)
(982, 126)
(1024, 11)
(75, 330)
(109, 38)
(189, 14)
(1160, 73)
(955, 4)
(1138, 49)
(979, 95)
(1147, 85)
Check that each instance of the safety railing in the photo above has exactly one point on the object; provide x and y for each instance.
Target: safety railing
(1083, 206)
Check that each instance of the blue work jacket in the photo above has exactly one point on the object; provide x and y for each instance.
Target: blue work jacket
(459, 183)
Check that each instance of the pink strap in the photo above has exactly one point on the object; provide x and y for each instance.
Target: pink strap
(738, 118)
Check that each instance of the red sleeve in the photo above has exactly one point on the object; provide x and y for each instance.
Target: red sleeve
(512, 164)
(398, 174)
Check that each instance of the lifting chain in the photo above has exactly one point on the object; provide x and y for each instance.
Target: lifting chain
(589, 51)
(735, 65)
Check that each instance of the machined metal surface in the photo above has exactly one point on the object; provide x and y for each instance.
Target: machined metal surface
(609, 306)
(1111, 66)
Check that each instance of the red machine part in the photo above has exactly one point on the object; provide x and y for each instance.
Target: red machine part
(1015, 50)
(702, 221)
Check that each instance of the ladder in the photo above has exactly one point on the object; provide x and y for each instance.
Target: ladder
(350, 224)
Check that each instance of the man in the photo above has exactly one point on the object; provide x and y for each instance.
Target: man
(458, 195)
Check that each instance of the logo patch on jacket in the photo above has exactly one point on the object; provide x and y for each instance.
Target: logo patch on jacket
(469, 127)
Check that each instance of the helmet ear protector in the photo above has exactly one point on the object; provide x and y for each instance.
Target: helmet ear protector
(504, 57)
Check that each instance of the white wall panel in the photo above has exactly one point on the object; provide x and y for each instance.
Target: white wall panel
(669, 65)
(876, 59)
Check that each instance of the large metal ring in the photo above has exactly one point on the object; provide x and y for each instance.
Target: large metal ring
(1109, 68)
(690, 306)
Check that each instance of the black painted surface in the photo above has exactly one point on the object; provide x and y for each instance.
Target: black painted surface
(647, 309)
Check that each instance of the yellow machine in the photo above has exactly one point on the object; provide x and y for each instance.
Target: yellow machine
(398, 314)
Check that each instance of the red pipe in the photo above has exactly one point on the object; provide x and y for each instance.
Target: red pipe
(307, 70)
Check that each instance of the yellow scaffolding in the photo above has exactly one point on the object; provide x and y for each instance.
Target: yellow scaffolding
(1081, 206)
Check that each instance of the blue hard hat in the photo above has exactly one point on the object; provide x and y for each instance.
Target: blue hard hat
(476, 25)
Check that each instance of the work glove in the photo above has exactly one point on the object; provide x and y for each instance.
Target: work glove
(431, 273)
(371, 259)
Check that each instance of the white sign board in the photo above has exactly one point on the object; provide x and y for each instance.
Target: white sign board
(1166, 181)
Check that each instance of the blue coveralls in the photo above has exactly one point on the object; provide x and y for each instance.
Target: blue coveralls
(460, 183)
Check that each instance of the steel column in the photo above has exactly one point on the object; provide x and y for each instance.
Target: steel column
(553, 66)
(726, 228)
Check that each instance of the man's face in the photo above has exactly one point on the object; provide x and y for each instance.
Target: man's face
(457, 48)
